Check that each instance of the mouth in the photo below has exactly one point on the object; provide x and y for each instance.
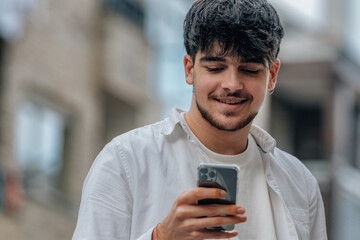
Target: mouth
(232, 101)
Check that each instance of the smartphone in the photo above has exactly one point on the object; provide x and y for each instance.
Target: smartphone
(223, 176)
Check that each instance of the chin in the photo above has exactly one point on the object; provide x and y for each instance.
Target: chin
(227, 121)
(230, 127)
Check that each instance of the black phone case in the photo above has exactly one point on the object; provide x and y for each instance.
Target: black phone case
(219, 176)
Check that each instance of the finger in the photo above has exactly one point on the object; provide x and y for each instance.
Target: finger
(216, 209)
(196, 224)
(218, 234)
(211, 234)
(221, 221)
(194, 195)
(195, 211)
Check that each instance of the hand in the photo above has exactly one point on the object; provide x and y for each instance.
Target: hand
(186, 219)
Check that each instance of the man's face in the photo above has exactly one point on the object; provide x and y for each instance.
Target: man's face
(228, 93)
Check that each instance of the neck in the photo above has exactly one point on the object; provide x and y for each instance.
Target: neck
(219, 141)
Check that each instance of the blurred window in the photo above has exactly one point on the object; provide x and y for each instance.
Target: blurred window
(308, 133)
(119, 116)
(129, 8)
(39, 147)
(352, 30)
(298, 128)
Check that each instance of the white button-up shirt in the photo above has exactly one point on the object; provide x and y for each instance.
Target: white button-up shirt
(136, 178)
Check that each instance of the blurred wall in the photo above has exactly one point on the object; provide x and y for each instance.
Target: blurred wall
(73, 81)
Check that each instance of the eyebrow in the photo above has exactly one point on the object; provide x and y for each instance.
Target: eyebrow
(212, 59)
(222, 59)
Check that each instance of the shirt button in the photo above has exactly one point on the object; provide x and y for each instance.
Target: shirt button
(202, 158)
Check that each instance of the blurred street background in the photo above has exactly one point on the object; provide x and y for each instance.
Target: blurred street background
(75, 74)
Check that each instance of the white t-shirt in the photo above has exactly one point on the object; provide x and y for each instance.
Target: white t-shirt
(252, 190)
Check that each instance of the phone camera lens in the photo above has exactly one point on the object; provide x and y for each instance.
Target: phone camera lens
(204, 171)
(204, 178)
(212, 174)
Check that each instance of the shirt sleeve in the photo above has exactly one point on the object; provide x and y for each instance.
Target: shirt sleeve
(106, 203)
(317, 214)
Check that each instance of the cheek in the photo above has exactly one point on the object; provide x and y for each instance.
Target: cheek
(204, 86)
(258, 91)
(257, 88)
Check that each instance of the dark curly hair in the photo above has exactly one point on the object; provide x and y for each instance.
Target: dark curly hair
(248, 29)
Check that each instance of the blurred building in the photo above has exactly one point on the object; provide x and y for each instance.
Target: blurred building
(315, 107)
(73, 77)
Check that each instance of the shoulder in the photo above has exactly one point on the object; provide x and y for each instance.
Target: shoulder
(143, 144)
(136, 143)
(152, 138)
(142, 134)
(292, 168)
(288, 161)
(126, 145)
(120, 157)
(281, 162)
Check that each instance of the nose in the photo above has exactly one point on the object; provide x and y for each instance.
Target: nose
(232, 81)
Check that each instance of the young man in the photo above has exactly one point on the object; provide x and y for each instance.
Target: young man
(143, 184)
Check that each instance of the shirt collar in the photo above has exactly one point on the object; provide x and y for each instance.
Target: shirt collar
(263, 139)
(173, 120)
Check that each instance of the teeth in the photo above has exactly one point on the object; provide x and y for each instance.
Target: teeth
(232, 102)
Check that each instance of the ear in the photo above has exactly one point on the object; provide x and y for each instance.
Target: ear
(274, 69)
(189, 67)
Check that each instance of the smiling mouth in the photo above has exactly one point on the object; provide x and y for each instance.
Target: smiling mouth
(231, 101)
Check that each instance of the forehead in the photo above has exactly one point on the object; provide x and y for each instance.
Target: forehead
(217, 51)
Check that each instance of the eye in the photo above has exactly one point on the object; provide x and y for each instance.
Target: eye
(250, 71)
(214, 69)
